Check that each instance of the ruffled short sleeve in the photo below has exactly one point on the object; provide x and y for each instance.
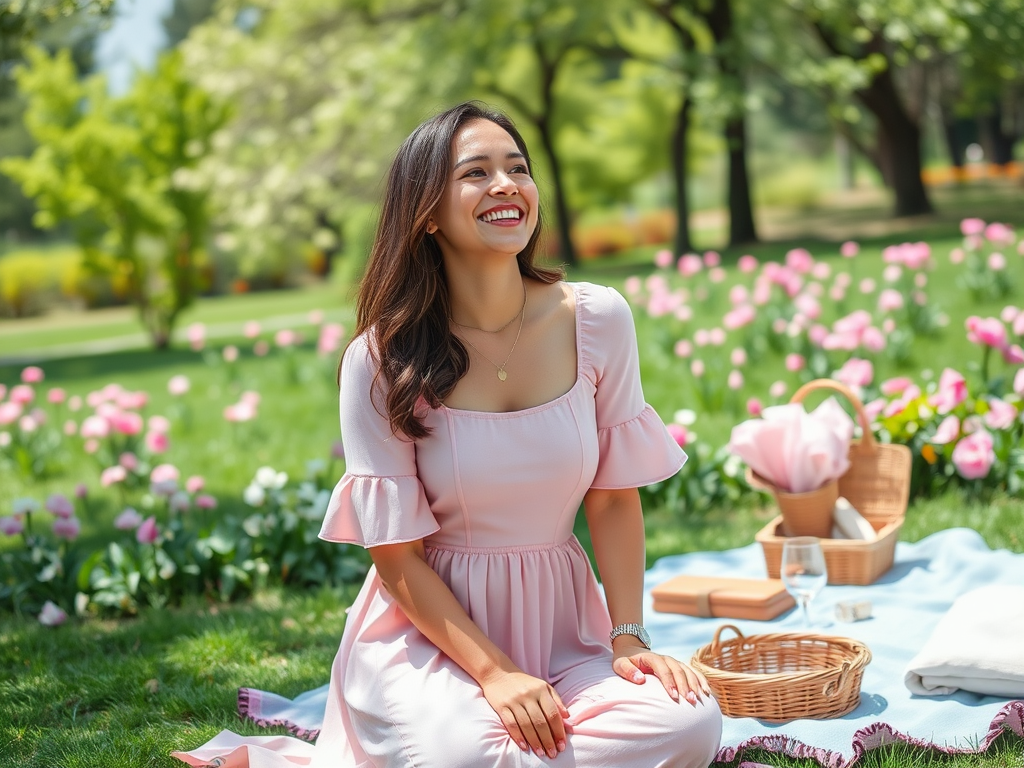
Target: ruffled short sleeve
(380, 499)
(635, 449)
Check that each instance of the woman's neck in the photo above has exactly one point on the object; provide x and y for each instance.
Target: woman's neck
(485, 298)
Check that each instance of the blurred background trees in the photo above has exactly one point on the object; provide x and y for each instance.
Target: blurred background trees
(639, 113)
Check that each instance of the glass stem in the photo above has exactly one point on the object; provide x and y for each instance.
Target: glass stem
(805, 602)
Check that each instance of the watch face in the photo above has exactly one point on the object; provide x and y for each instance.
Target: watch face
(644, 637)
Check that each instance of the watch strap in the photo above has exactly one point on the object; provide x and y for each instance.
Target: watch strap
(636, 630)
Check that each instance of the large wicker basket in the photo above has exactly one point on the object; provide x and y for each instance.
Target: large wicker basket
(785, 676)
(877, 484)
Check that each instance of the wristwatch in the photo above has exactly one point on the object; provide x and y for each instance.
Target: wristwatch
(636, 630)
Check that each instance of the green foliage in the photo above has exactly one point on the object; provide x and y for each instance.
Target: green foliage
(33, 280)
(121, 171)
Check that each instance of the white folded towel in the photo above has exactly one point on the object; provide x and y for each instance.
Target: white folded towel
(977, 646)
(850, 522)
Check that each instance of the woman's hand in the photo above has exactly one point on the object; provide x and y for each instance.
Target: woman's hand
(632, 661)
(531, 711)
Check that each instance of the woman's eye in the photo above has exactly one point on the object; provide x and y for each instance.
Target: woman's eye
(519, 169)
(477, 172)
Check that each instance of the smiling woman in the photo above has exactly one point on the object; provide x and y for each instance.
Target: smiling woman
(481, 636)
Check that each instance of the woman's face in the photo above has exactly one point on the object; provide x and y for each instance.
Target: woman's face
(489, 205)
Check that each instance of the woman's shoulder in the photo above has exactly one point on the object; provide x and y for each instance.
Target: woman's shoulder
(601, 308)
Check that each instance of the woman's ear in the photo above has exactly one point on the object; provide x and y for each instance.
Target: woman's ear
(431, 227)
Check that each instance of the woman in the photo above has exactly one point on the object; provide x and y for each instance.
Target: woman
(482, 400)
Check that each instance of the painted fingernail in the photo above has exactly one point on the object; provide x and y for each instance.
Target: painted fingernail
(707, 691)
(538, 752)
(638, 677)
(673, 693)
(552, 754)
(524, 746)
(691, 697)
(561, 745)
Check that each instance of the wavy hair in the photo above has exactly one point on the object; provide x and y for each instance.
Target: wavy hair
(403, 301)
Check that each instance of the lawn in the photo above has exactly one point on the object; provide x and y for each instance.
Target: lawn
(113, 692)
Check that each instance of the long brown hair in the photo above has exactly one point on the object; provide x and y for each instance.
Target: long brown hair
(403, 301)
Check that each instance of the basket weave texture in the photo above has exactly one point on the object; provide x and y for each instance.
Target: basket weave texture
(785, 676)
(877, 484)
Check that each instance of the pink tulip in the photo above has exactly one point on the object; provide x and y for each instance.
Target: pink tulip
(52, 615)
(892, 273)
(956, 256)
(114, 474)
(127, 423)
(261, 348)
(717, 275)
(999, 234)
(873, 339)
(56, 396)
(159, 424)
(157, 442)
(1009, 314)
(678, 433)
(28, 424)
(67, 528)
(286, 337)
(778, 389)
(196, 334)
(794, 362)
(178, 385)
(754, 407)
(867, 285)
(712, 259)
(700, 337)
(988, 331)
(689, 265)
(996, 262)
(239, 412)
(164, 472)
(952, 391)
(22, 394)
(682, 312)
(147, 532)
(663, 259)
(890, 300)
(739, 316)
(9, 413)
(251, 329)
(894, 386)
(856, 373)
(60, 505)
(747, 263)
(91, 446)
(129, 461)
(195, 484)
(849, 249)
(972, 227)
(738, 357)
(206, 501)
(799, 260)
(734, 380)
(821, 271)
(1018, 382)
(808, 305)
(697, 368)
(1018, 324)
(1001, 415)
(683, 348)
(81, 491)
(1013, 354)
(716, 336)
(11, 526)
(128, 520)
(32, 375)
(947, 431)
(74, 403)
(973, 455)
(874, 408)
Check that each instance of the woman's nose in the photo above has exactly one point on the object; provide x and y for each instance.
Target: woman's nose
(504, 184)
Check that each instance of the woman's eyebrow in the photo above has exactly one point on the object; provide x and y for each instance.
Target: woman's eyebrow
(478, 158)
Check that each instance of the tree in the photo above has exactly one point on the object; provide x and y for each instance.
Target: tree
(122, 173)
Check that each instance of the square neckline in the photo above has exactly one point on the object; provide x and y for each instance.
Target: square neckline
(550, 403)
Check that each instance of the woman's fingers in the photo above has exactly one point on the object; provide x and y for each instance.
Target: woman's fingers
(625, 668)
(508, 719)
(543, 726)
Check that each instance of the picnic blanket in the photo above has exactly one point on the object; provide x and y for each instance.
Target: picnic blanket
(908, 602)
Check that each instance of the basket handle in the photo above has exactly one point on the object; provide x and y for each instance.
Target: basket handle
(835, 686)
(867, 440)
(718, 633)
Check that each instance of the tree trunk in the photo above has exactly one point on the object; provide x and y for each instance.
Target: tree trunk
(564, 222)
(741, 212)
(899, 145)
(679, 174)
(998, 143)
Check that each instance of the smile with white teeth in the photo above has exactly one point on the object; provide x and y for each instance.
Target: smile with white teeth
(505, 213)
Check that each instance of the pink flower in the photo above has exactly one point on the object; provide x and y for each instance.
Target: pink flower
(250, 397)
(678, 433)
(331, 335)
(91, 446)
(52, 615)
(894, 386)
(874, 408)
(1009, 314)
(689, 265)
(239, 412)
(196, 334)
(873, 339)
(700, 337)
(633, 286)
(890, 300)
(972, 227)
(230, 353)
(996, 262)
(261, 348)
(717, 275)
(111, 475)
(952, 391)
(32, 375)
(127, 423)
(817, 334)
(67, 528)
(11, 526)
(754, 407)
(157, 442)
(988, 331)
(712, 259)
(159, 424)
(821, 270)
(179, 501)
(747, 263)
(337, 450)
(849, 249)
(1001, 415)
(178, 385)
(999, 233)
(94, 426)
(888, 325)
(60, 505)
(683, 348)
(163, 472)
(738, 357)
(663, 259)
(9, 413)
(56, 396)
(778, 389)
(799, 260)
(856, 373)
(716, 336)
(132, 401)
(251, 329)
(195, 484)
(1018, 322)
(128, 520)
(22, 394)
(28, 423)
(147, 532)
(734, 380)
(794, 362)
(129, 461)
(1018, 382)
(81, 491)
(892, 273)
(286, 337)
(808, 305)
(697, 368)
(315, 316)
(739, 316)
(1013, 354)
(947, 431)
(973, 455)
(956, 256)
(206, 501)
(867, 285)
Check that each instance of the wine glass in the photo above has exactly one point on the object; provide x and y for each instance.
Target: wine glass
(803, 571)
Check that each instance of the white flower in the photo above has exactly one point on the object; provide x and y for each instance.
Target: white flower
(265, 477)
(254, 495)
(25, 505)
(684, 416)
(52, 615)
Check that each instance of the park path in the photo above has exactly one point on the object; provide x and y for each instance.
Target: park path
(140, 340)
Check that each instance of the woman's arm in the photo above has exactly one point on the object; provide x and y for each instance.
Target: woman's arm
(617, 533)
(529, 707)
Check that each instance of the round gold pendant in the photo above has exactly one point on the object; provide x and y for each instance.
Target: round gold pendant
(501, 374)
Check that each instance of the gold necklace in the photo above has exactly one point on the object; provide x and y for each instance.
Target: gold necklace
(502, 374)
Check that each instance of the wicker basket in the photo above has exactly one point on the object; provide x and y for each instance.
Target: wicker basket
(784, 676)
(803, 514)
(877, 484)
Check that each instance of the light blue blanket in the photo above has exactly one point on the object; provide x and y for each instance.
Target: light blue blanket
(907, 603)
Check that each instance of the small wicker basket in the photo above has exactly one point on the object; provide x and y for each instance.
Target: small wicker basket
(785, 676)
(877, 484)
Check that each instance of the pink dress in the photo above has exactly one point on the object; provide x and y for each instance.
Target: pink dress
(494, 496)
